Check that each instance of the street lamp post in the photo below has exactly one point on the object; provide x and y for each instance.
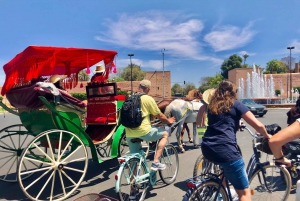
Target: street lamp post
(291, 87)
(163, 56)
(131, 55)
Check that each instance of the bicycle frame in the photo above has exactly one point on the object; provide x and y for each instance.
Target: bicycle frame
(198, 180)
(140, 179)
(254, 162)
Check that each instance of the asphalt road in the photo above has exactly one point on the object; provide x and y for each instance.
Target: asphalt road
(100, 177)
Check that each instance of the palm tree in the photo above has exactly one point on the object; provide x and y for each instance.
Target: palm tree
(245, 57)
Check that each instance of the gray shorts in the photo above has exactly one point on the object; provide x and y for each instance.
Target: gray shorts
(154, 134)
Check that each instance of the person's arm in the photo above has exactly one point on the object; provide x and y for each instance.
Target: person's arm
(257, 125)
(164, 119)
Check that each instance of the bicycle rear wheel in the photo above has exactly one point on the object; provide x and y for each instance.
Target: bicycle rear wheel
(203, 166)
(169, 157)
(127, 181)
(206, 191)
(276, 187)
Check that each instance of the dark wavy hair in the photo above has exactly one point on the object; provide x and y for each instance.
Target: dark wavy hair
(223, 98)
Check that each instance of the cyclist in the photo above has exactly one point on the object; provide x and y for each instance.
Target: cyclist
(147, 132)
(219, 143)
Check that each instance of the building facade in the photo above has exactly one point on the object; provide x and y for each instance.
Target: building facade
(281, 81)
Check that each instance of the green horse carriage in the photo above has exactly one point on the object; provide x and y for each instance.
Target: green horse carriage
(47, 154)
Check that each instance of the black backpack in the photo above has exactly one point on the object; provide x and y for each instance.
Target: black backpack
(131, 113)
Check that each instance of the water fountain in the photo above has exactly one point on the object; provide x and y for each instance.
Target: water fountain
(257, 86)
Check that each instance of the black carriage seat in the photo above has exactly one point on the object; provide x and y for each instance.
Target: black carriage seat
(136, 140)
(27, 96)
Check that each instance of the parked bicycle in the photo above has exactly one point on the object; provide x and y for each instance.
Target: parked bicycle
(267, 181)
(134, 175)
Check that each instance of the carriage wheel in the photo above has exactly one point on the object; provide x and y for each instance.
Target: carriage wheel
(13, 139)
(64, 165)
(123, 148)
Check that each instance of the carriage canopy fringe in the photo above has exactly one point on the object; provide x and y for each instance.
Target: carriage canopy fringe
(37, 61)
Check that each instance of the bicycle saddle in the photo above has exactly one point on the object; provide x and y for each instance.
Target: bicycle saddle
(135, 140)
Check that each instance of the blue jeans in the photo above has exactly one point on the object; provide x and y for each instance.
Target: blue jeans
(235, 172)
(154, 134)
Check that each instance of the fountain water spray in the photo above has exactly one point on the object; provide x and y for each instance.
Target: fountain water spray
(257, 85)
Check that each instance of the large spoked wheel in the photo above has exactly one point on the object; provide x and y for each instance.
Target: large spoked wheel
(203, 166)
(276, 187)
(127, 182)
(64, 165)
(169, 157)
(13, 139)
(123, 148)
(206, 191)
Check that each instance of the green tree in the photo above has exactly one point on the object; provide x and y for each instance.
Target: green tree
(137, 73)
(83, 76)
(176, 88)
(210, 82)
(187, 87)
(234, 61)
(245, 57)
(274, 66)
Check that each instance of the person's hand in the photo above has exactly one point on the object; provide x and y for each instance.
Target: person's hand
(268, 136)
(171, 120)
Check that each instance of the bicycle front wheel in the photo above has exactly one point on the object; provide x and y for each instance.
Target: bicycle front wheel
(169, 157)
(276, 186)
(206, 191)
(203, 166)
(127, 182)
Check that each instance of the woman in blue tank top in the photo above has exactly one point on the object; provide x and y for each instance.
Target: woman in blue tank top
(219, 142)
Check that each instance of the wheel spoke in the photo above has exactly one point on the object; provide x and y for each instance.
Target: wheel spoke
(12, 141)
(37, 170)
(50, 147)
(71, 180)
(6, 161)
(43, 152)
(11, 152)
(77, 148)
(75, 160)
(6, 144)
(76, 170)
(52, 186)
(19, 140)
(24, 140)
(65, 148)
(45, 185)
(10, 167)
(35, 160)
(62, 183)
(59, 146)
(37, 179)
(7, 157)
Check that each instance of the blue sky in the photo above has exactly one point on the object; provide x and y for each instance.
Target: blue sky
(197, 35)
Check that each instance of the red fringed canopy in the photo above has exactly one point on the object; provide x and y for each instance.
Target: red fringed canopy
(36, 61)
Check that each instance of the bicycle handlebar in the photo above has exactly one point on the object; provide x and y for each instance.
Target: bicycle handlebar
(255, 136)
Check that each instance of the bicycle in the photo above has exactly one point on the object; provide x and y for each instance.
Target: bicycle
(265, 178)
(209, 187)
(135, 175)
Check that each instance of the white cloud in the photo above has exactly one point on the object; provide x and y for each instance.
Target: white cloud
(229, 37)
(241, 53)
(295, 43)
(156, 64)
(153, 31)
